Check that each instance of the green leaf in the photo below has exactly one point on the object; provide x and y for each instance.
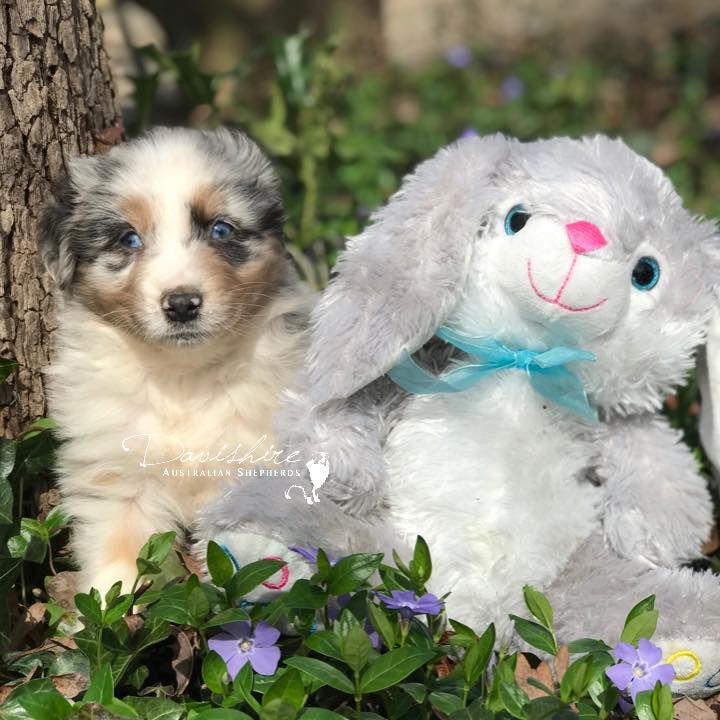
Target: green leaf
(320, 714)
(535, 635)
(7, 366)
(641, 626)
(172, 606)
(474, 712)
(6, 503)
(421, 564)
(101, 688)
(643, 706)
(576, 679)
(288, 687)
(661, 702)
(155, 708)
(214, 673)
(417, 691)
(548, 707)
(323, 564)
(154, 552)
(47, 705)
(587, 645)
(586, 712)
(382, 624)
(89, 608)
(55, 520)
(248, 577)
(8, 453)
(445, 702)
(7, 462)
(226, 616)
(539, 606)
(351, 572)
(303, 595)
(117, 609)
(219, 564)
(320, 670)
(355, 648)
(643, 606)
(394, 666)
(222, 714)
(463, 634)
(278, 710)
(198, 604)
(324, 642)
(514, 699)
(120, 708)
(31, 543)
(478, 655)
(243, 686)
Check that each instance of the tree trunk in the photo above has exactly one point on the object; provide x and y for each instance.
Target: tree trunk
(56, 101)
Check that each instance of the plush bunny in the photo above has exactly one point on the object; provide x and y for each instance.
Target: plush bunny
(486, 370)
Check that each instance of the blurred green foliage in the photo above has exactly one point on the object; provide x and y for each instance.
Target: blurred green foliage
(342, 139)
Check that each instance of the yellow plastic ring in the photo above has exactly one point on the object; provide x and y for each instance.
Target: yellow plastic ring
(689, 654)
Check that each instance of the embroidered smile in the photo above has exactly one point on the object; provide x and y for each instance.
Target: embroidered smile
(556, 299)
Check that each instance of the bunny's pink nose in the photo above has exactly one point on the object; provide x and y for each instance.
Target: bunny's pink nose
(585, 237)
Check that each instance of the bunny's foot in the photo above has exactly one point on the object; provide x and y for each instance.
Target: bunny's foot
(598, 588)
(243, 547)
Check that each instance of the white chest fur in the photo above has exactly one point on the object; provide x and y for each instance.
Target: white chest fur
(493, 479)
(160, 428)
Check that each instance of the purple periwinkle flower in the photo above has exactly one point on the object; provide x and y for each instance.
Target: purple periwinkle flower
(638, 669)
(511, 88)
(469, 132)
(407, 603)
(458, 57)
(310, 553)
(239, 644)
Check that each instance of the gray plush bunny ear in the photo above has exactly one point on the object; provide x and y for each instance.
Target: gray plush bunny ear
(399, 280)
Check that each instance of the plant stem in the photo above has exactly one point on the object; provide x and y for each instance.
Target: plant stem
(358, 692)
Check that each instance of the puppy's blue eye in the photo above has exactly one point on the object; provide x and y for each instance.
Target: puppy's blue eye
(646, 273)
(515, 220)
(131, 240)
(221, 230)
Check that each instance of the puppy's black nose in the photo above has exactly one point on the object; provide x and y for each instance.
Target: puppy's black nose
(181, 306)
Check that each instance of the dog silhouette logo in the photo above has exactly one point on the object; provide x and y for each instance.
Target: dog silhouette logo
(319, 468)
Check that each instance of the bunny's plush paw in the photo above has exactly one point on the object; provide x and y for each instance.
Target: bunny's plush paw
(697, 666)
(244, 547)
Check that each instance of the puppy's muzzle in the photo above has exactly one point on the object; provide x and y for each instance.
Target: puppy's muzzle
(181, 306)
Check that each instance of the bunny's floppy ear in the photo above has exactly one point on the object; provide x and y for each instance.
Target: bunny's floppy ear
(399, 280)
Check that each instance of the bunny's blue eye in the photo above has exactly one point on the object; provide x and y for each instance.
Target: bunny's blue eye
(131, 240)
(515, 220)
(646, 273)
(221, 230)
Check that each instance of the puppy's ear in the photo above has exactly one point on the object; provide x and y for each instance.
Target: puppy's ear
(54, 232)
(401, 278)
(55, 225)
(255, 177)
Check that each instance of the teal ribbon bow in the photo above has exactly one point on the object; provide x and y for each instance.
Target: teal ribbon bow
(545, 368)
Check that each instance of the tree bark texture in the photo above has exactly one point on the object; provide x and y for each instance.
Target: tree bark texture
(56, 101)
